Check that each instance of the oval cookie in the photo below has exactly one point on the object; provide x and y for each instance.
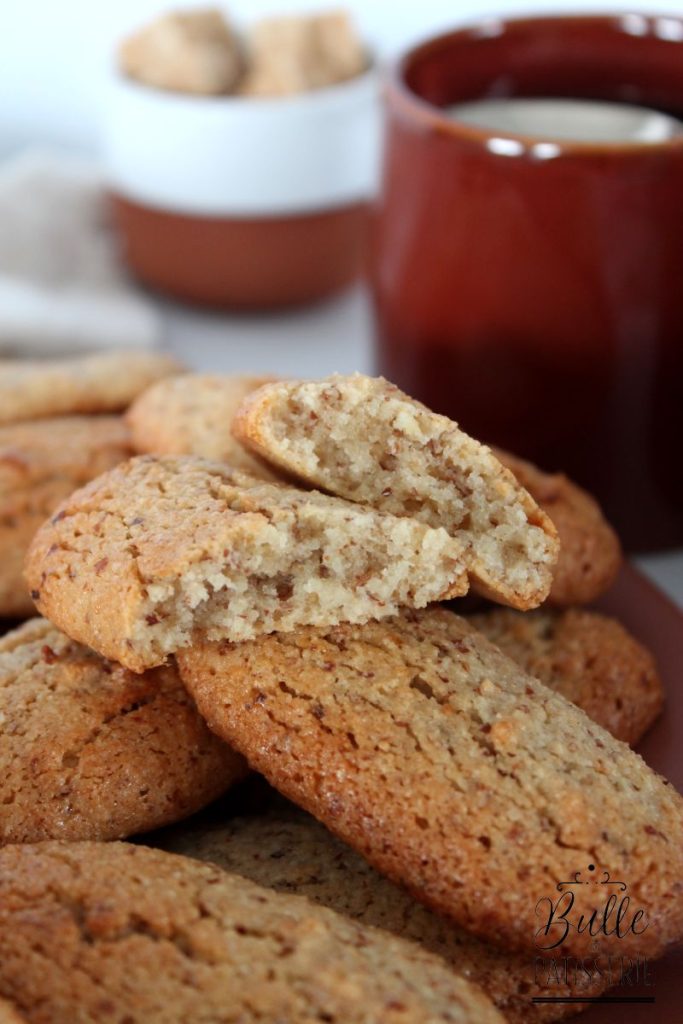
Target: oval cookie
(587, 657)
(113, 932)
(454, 772)
(285, 849)
(90, 751)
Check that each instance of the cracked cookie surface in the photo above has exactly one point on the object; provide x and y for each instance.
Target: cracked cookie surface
(452, 771)
(284, 848)
(115, 932)
(92, 751)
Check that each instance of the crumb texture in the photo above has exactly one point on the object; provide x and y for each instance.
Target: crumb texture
(192, 415)
(363, 439)
(452, 771)
(107, 382)
(289, 851)
(590, 553)
(91, 751)
(111, 932)
(160, 548)
(41, 463)
(587, 657)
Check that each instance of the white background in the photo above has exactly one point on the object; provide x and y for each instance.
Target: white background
(54, 53)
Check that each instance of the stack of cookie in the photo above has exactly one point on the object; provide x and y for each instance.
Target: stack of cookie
(60, 426)
(273, 567)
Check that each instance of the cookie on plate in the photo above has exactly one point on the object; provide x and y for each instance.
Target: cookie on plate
(590, 553)
(162, 939)
(108, 382)
(587, 657)
(192, 415)
(41, 462)
(364, 440)
(285, 849)
(453, 772)
(160, 548)
(92, 751)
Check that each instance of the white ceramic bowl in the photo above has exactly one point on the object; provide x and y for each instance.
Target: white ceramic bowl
(243, 201)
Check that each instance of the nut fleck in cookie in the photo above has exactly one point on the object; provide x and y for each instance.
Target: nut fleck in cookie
(288, 850)
(158, 548)
(454, 772)
(112, 931)
(192, 415)
(34, 388)
(92, 751)
(589, 658)
(41, 462)
(363, 439)
(590, 553)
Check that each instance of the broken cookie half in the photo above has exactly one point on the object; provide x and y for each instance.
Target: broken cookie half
(362, 439)
(161, 549)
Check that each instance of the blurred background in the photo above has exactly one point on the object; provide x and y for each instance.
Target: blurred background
(56, 62)
(54, 56)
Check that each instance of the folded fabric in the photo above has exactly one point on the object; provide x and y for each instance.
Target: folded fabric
(62, 285)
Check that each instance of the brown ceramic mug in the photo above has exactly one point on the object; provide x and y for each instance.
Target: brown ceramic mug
(533, 288)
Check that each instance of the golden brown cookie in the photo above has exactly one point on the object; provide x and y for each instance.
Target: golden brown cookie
(587, 657)
(191, 415)
(285, 849)
(455, 773)
(108, 382)
(41, 462)
(193, 52)
(296, 53)
(590, 553)
(91, 751)
(99, 932)
(160, 547)
(363, 439)
(9, 1015)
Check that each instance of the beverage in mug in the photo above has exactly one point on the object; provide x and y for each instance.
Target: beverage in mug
(527, 264)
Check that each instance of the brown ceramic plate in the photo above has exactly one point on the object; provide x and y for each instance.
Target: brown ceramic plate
(655, 620)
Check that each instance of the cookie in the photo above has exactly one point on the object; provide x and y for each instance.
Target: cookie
(296, 53)
(33, 388)
(8, 1014)
(158, 548)
(363, 439)
(193, 52)
(589, 658)
(99, 932)
(590, 553)
(288, 850)
(191, 415)
(455, 773)
(92, 751)
(41, 462)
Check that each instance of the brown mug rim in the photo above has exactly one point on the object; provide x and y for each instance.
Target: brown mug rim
(430, 116)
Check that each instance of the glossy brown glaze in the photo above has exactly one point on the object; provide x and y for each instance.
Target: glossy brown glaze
(243, 263)
(539, 299)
